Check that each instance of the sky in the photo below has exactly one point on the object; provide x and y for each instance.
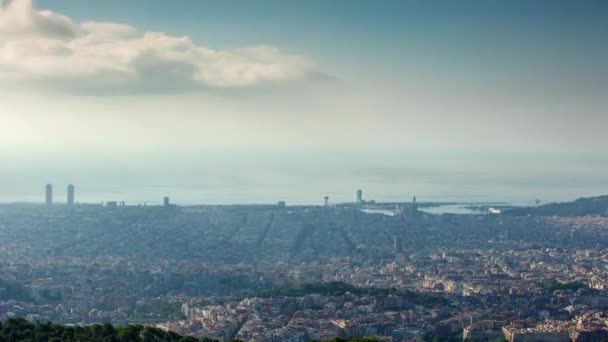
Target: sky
(256, 101)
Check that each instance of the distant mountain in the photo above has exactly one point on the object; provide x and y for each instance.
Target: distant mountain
(580, 207)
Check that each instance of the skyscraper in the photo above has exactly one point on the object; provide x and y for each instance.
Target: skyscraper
(166, 201)
(70, 194)
(49, 194)
(359, 196)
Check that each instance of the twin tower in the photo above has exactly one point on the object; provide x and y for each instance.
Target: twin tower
(49, 194)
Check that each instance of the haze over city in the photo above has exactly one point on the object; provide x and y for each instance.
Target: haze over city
(296, 171)
(215, 103)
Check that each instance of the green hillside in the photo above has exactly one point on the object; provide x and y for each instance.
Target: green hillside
(19, 329)
(579, 207)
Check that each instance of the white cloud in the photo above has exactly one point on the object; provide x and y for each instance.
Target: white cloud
(49, 49)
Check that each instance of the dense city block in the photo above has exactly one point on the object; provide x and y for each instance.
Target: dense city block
(274, 273)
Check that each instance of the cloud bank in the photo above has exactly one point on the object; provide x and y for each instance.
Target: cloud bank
(50, 49)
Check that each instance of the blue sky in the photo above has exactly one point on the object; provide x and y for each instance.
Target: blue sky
(379, 35)
(488, 90)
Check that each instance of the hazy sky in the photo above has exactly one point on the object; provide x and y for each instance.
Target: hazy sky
(292, 99)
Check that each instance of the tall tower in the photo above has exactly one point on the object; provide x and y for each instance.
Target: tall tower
(49, 194)
(359, 196)
(70, 194)
(326, 198)
(166, 201)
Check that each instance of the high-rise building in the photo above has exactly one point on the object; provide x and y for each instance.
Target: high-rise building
(359, 196)
(166, 201)
(49, 194)
(326, 198)
(70, 194)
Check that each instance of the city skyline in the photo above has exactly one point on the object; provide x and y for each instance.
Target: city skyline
(49, 199)
(464, 101)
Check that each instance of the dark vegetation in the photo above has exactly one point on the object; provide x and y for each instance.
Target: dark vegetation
(19, 329)
(156, 310)
(573, 286)
(341, 289)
